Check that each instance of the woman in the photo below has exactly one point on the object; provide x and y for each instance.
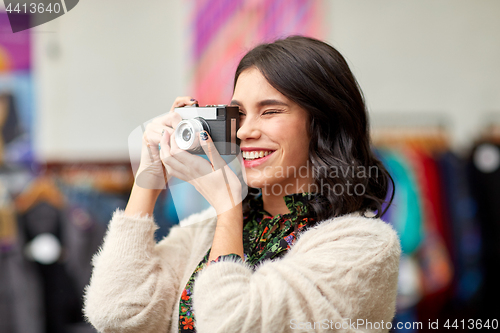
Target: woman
(309, 252)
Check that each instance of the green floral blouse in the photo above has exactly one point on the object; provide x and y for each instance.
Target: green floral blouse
(264, 238)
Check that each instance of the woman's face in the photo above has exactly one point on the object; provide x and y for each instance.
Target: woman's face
(274, 136)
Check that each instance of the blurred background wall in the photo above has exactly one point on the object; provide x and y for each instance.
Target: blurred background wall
(430, 73)
(104, 68)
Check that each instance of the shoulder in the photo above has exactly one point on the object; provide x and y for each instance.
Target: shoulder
(352, 234)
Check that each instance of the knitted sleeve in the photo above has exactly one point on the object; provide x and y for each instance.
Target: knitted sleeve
(338, 273)
(135, 281)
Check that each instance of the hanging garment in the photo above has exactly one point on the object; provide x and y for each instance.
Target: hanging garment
(433, 255)
(10, 125)
(484, 175)
(405, 216)
(99, 204)
(82, 236)
(62, 302)
(8, 221)
(20, 291)
(390, 191)
(406, 208)
(465, 227)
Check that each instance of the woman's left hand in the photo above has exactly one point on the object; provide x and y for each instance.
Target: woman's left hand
(214, 180)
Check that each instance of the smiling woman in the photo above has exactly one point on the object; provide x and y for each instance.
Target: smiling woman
(310, 247)
(312, 80)
(270, 124)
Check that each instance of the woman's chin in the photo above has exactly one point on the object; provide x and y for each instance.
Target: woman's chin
(258, 182)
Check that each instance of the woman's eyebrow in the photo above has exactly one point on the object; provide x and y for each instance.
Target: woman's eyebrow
(265, 102)
(268, 102)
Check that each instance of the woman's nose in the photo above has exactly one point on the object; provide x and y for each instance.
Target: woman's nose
(248, 130)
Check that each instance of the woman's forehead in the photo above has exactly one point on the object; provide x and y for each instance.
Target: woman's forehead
(253, 88)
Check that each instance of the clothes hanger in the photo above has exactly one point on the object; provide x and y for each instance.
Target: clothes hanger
(431, 139)
(101, 177)
(4, 112)
(8, 222)
(42, 189)
(491, 133)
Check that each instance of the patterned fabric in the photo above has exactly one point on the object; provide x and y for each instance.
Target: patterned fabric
(264, 238)
(186, 317)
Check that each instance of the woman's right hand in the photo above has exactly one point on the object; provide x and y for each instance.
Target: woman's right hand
(150, 177)
(150, 174)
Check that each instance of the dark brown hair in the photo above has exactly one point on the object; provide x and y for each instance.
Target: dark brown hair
(316, 76)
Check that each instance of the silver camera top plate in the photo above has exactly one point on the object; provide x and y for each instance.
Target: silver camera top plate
(208, 113)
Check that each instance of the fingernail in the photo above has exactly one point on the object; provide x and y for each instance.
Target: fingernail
(204, 135)
(192, 100)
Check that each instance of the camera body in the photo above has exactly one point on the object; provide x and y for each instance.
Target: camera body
(220, 121)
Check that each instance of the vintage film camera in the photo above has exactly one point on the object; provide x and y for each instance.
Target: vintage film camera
(220, 121)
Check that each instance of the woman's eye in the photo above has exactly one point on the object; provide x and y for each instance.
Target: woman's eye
(242, 113)
(271, 112)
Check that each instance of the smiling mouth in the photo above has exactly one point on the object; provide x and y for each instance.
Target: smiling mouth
(254, 155)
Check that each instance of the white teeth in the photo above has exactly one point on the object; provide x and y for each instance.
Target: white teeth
(251, 155)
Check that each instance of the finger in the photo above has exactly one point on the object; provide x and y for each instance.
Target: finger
(170, 119)
(183, 101)
(209, 148)
(168, 159)
(195, 166)
(154, 131)
(166, 130)
(151, 138)
(217, 161)
(180, 155)
(151, 145)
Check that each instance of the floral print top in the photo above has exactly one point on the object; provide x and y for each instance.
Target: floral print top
(264, 238)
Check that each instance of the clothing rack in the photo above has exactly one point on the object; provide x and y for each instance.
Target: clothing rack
(114, 177)
(491, 127)
(428, 131)
(455, 201)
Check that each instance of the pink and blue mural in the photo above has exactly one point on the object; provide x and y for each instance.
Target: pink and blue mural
(223, 30)
(16, 95)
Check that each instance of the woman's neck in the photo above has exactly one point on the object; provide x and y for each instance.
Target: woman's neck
(274, 204)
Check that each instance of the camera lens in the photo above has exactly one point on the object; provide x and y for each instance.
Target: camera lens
(187, 131)
(186, 134)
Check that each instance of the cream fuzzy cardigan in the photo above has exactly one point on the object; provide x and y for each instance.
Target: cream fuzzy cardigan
(339, 272)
